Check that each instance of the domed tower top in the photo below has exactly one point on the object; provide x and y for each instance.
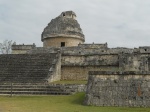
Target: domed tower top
(69, 14)
(64, 30)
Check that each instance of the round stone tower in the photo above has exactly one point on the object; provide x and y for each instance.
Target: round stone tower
(63, 31)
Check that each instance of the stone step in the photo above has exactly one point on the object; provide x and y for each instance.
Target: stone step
(34, 93)
(40, 89)
(30, 89)
(30, 86)
(35, 89)
(26, 68)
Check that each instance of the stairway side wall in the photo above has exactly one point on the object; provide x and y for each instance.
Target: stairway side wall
(129, 89)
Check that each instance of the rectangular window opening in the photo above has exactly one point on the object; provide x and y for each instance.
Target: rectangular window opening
(62, 44)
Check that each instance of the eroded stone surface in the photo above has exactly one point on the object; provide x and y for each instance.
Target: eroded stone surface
(63, 31)
(118, 89)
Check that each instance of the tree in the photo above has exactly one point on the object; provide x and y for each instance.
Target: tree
(5, 47)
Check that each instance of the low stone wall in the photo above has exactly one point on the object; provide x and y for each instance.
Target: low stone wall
(22, 49)
(87, 60)
(131, 89)
(41, 50)
(71, 87)
(81, 72)
(55, 70)
(76, 67)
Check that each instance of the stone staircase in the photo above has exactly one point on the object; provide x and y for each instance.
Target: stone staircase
(25, 68)
(34, 90)
(28, 74)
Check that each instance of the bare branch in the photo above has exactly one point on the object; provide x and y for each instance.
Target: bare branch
(5, 47)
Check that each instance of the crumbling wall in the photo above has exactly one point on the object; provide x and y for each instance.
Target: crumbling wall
(22, 49)
(88, 60)
(55, 70)
(40, 50)
(85, 49)
(134, 62)
(76, 67)
(81, 72)
(129, 89)
(78, 61)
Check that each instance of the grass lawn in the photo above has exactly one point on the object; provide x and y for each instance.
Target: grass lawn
(72, 103)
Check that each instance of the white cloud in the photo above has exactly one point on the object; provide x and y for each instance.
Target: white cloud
(119, 22)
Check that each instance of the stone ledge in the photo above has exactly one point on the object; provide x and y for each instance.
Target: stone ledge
(119, 73)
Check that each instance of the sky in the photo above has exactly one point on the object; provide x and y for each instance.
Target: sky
(120, 23)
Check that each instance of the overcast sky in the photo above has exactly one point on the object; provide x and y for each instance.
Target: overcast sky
(120, 23)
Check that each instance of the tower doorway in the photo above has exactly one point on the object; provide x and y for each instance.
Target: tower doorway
(62, 44)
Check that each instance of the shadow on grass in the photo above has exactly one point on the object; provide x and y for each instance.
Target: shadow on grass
(78, 99)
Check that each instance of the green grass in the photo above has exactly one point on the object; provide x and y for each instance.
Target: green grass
(72, 103)
(69, 82)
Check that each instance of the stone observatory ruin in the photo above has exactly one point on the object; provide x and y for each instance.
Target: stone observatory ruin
(63, 31)
(116, 76)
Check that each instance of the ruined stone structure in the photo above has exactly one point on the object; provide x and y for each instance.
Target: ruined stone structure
(21, 49)
(116, 76)
(63, 31)
(28, 68)
(106, 88)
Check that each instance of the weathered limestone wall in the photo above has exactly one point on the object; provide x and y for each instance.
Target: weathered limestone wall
(56, 41)
(73, 73)
(22, 49)
(70, 87)
(144, 49)
(55, 70)
(19, 51)
(134, 62)
(81, 72)
(76, 61)
(93, 46)
(88, 60)
(85, 49)
(129, 89)
(41, 50)
(95, 49)
(76, 67)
